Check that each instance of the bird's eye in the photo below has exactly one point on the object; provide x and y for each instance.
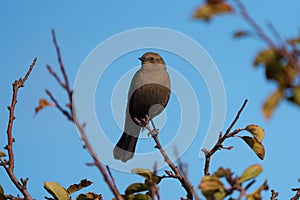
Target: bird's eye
(151, 58)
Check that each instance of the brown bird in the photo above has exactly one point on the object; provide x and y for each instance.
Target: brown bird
(149, 94)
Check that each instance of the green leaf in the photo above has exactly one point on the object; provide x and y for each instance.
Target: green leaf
(136, 187)
(142, 197)
(75, 187)
(250, 173)
(146, 173)
(208, 10)
(89, 196)
(255, 145)
(56, 190)
(256, 131)
(272, 102)
(2, 154)
(212, 188)
(256, 195)
(266, 57)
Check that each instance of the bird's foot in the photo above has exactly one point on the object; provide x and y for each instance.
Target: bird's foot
(143, 122)
(153, 132)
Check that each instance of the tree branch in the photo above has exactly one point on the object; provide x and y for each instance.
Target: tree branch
(10, 164)
(71, 115)
(221, 139)
(185, 184)
(274, 195)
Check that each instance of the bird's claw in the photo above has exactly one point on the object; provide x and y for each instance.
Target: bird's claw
(153, 132)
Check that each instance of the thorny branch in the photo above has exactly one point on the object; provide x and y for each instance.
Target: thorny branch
(221, 139)
(10, 164)
(71, 115)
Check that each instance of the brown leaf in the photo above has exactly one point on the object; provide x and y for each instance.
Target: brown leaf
(255, 145)
(42, 104)
(75, 187)
(209, 10)
(239, 34)
(272, 102)
(256, 131)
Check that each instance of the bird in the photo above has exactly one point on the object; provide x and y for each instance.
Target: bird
(148, 95)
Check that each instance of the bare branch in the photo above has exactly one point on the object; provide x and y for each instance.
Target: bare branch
(154, 133)
(221, 139)
(10, 164)
(71, 115)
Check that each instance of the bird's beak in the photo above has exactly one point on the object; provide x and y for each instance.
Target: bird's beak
(142, 59)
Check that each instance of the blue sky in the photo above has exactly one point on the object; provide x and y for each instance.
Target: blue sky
(47, 147)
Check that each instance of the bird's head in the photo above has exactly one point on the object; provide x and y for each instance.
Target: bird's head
(152, 58)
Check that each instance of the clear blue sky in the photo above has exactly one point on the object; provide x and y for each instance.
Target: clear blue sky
(47, 147)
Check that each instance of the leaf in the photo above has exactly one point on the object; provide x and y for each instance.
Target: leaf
(295, 98)
(2, 154)
(42, 104)
(250, 173)
(272, 102)
(256, 131)
(212, 188)
(89, 196)
(293, 41)
(75, 187)
(208, 10)
(256, 195)
(136, 187)
(146, 173)
(222, 172)
(266, 57)
(2, 196)
(56, 190)
(240, 34)
(255, 145)
(142, 197)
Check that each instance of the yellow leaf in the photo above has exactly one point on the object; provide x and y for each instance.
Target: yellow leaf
(272, 102)
(56, 190)
(42, 104)
(256, 194)
(255, 145)
(212, 188)
(146, 173)
(250, 173)
(266, 57)
(256, 131)
(2, 154)
(208, 10)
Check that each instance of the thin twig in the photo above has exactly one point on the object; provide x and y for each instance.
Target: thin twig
(292, 60)
(274, 195)
(184, 170)
(10, 164)
(297, 195)
(71, 115)
(177, 174)
(221, 139)
(111, 176)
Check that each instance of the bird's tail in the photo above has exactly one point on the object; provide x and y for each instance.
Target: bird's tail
(124, 150)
